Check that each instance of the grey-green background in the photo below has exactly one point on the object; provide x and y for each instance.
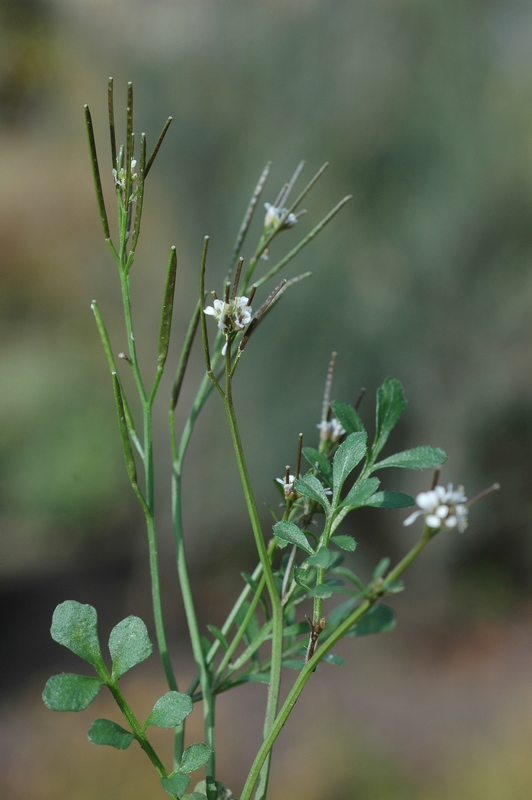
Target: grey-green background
(424, 111)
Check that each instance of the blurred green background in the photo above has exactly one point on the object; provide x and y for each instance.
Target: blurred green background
(424, 111)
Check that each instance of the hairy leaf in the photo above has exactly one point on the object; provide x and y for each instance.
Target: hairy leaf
(416, 458)
(75, 626)
(104, 731)
(70, 692)
(170, 710)
(129, 645)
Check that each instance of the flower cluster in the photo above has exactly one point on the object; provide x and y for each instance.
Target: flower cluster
(120, 175)
(274, 216)
(331, 430)
(288, 486)
(443, 509)
(231, 317)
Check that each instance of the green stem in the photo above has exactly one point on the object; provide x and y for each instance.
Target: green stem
(313, 662)
(240, 632)
(275, 600)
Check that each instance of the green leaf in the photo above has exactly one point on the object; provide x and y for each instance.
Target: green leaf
(170, 710)
(70, 692)
(104, 731)
(320, 463)
(195, 757)
(416, 458)
(331, 658)
(347, 457)
(322, 558)
(216, 632)
(391, 403)
(309, 486)
(75, 626)
(347, 573)
(129, 645)
(381, 568)
(195, 796)
(344, 542)
(288, 532)
(300, 577)
(339, 614)
(294, 663)
(379, 619)
(175, 784)
(390, 500)
(360, 493)
(347, 415)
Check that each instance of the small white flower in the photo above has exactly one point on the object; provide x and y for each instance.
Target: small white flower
(231, 317)
(120, 175)
(274, 215)
(443, 509)
(288, 486)
(331, 430)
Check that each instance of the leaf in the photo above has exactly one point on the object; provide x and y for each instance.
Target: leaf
(347, 415)
(391, 403)
(347, 573)
(75, 626)
(294, 663)
(339, 614)
(416, 458)
(309, 486)
(175, 784)
(360, 493)
(344, 542)
(70, 692)
(104, 731)
(379, 619)
(325, 590)
(195, 757)
(129, 645)
(381, 568)
(389, 500)
(195, 796)
(299, 576)
(288, 532)
(321, 559)
(331, 658)
(170, 710)
(347, 457)
(320, 463)
(217, 633)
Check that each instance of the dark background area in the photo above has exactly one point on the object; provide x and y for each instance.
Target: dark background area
(424, 111)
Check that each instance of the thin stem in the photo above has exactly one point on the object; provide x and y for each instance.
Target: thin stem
(275, 600)
(313, 662)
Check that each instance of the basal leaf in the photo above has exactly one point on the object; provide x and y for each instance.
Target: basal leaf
(104, 731)
(288, 532)
(391, 403)
(170, 710)
(129, 645)
(347, 457)
(416, 458)
(309, 486)
(195, 757)
(176, 785)
(347, 415)
(379, 619)
(75, 626)
(390, 500)
(70, 692)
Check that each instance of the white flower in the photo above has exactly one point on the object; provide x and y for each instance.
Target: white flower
(120, 175)
(288, 486)
(331, 430)
(231, 317)
(274, 215)
(443, 509)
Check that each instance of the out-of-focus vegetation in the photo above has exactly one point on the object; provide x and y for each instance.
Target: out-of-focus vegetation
(424, 111)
